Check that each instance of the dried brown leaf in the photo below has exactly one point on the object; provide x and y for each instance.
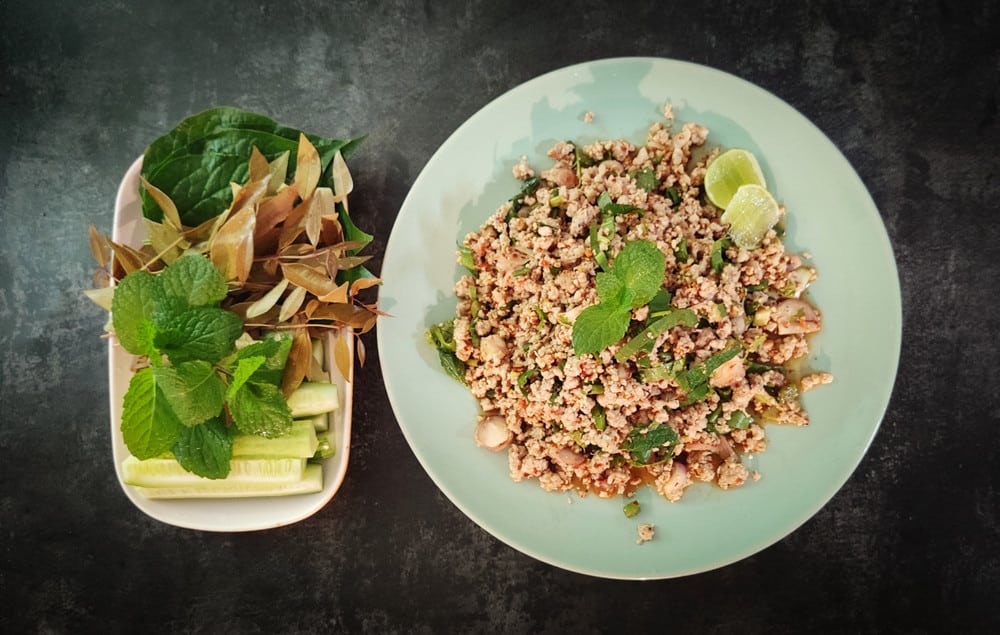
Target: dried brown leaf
(294, 225)
(263, 305)
(232, 246)
(338, 295)
(364, 283)
(99, 246)
(359, 348)
(292, 304)
(299, 360)
(349, 262)
(342, 355)
(279, 172)
(331, 233)
(126, 258)
(307, 167)
(101, 297)
(349, 314)
(320, 205)
(315, 281)
(166, 240)
(343, 184)
(271, 212)
(259, 167)
(170, 215)
(249, 194)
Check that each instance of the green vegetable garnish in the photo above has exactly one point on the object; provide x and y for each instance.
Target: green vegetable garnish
(630, 282)
(631, 508)
(646, 179)
(654, 443)
(442, 337)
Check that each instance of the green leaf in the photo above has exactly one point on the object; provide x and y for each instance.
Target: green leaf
(193, 390)
(646, 179)
(134, 302)
(245, 368)
(204, 333)
(598, 327)
(640, 265)
(631, 508)
(653, 444)
(205, 449)
(195, 161)
(149, 426)
(681, 253)
(274, 348)
(700, 372)
(611, 208)
(646, 337)
(718, 256)
(260, 409)
(610, 288)
(194, 279)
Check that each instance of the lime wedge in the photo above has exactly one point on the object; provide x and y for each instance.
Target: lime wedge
(728, 172)
(751, 212)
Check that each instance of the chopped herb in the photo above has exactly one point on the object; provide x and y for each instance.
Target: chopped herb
(529, 186)
(521, 271)
(596, 389)
(760, 367)
(610, 207)
(525, 377)
(739, 420)
(581, 160)
(757, 341)
(789, 289)
(681, 253)
(631, 509)
(719, 253)
(646, 179)
(595, 246)
(648, 335)
(760, 286)
(600, 417)
(653, 444)
(660, 304)
(465, 258)
(674, 195)
(442, 337)
(787, 393)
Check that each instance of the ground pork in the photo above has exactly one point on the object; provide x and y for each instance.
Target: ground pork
(598, 424)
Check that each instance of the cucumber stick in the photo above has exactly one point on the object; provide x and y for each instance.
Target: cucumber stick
(312, 398)
(300, 442)
(321, 422)
(169, 473)
(310, 483)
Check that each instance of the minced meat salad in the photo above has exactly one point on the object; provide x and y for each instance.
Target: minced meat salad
(615, 335)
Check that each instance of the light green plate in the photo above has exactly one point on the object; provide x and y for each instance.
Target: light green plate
(830, 214)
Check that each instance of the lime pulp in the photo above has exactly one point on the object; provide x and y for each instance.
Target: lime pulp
(728, 172)
(751, 212)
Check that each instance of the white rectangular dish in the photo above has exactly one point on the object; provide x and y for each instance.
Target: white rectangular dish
(224, 515)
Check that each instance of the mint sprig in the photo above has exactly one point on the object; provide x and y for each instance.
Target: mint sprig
(179, 403)
(631, 281)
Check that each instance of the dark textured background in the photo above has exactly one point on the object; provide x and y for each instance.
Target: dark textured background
(908, 91)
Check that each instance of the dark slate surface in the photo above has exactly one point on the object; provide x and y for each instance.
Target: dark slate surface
(908, 91)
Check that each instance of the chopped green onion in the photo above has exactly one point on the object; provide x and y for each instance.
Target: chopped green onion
(631, 509)
(600, 417)
(681, 253)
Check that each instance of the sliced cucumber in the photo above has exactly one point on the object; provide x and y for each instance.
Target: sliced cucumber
(321, 422)
(300, 442)
(312, 398)
(310, 483)
(169, 473)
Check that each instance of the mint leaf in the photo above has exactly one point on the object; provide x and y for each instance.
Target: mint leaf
(245, 368)
(652, 444)
(132, 304)
(274, 348)
(609, 287)
(193, 390)
(598, 327)
(640, 265)
(204, 333)
(260, 409)
(149, 426)
(194, 279)
(205, 449)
